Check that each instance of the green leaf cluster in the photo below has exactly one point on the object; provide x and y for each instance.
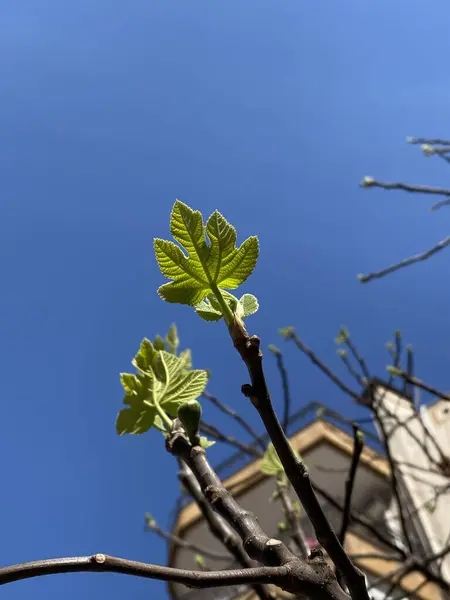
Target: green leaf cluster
(209, 308)
(162, 383)
(210, 263)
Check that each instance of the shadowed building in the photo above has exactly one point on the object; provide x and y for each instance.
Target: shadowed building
(324, 440)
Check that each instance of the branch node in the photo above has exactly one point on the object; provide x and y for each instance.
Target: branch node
(247, 390)
(214, 494)
(273, 542)
(99, 558)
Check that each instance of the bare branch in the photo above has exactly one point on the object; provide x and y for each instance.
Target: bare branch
(441, 203)
(216, 434)
(313, 578)
(405, 263)
(358, 445)
(353, 349)
(430, 141)
(369, 182)
(152, 526)
(362, 521)
(290, 334)
(234, 415)
(408, 388)
(393, 476)
(345, 359)
(102, 562)
(419, 383)
(297, 473)
(285, 383)
(298, 535)
(219, 528)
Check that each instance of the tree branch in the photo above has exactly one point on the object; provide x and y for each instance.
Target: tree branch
(103, 562)
(219, 528)
(419, 383)
(358, 445)
(312, 578)
(234, 415)
(152, 526)
(393, 476)
(369, 182)
(285, 383)
(405, 263)
(357, 356)
(297, 473)
(214, 432)
(297, 533)
(290, 334)
(430, 141)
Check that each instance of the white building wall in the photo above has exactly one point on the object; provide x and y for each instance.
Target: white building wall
(419, 461)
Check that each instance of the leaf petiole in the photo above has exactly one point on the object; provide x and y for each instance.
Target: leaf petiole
(164, 417)
(226, 310)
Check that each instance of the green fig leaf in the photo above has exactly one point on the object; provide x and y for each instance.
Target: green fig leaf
(206, 267)
(271, 463)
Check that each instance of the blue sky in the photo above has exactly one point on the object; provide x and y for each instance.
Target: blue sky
(271, 112)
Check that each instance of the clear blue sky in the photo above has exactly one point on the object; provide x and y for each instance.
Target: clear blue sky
(269, 111)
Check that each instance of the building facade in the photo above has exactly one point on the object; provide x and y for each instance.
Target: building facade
(325, 443)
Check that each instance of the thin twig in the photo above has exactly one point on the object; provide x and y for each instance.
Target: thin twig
(358, 445)
(181, 543)
(291, 335)
(285, 383)
(353, 349)
(405, 263)
(297, 533)
(234, 415)
(408, 388)
(421, 384)
(441, 203)
(369, 182)
(103, 562)
(345, 359)
(393, 476)
(430, 141)
(215, 433)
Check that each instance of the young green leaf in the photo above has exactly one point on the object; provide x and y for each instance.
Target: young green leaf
(159, 343)
(163, 380)
(271, 463)
(172, 339)
(248, 305)
(210, 310)
(205, 443)
(136, 420)
(186, 359)
(200, 560)
(206, 267)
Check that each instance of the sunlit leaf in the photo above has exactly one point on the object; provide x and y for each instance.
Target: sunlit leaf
(219, 264)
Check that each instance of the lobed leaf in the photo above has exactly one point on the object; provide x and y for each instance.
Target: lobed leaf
(206, 267)
(162, 378)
